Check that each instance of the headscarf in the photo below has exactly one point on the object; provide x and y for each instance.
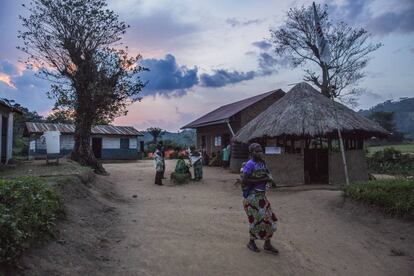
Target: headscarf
(254, 147)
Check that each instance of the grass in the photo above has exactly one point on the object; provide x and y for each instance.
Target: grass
(40, 168)
(394, 197)
(404, 148)
(29, 209)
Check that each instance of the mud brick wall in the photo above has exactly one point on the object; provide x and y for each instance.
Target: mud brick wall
(356, 163)
(287, 169)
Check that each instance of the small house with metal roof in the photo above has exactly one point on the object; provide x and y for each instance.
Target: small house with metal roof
(216, 129)
(108, 142)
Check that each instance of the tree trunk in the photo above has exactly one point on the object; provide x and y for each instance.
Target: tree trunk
(82, 151)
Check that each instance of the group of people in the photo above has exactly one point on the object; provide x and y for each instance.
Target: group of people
(219, 158)
(255, 179)
(181, 169)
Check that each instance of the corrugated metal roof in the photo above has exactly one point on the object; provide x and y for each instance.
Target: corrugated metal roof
(4, 102)
(223, 113)
(68, 128)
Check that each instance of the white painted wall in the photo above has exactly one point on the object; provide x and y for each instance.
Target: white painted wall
(41, 143)
(133, 143)
(67, 142)
(111, 142)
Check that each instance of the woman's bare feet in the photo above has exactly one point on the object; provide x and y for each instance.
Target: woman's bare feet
(268, 247)
(252, 246)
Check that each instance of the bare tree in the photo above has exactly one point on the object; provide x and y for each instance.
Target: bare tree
(72, 42)
(349, 47)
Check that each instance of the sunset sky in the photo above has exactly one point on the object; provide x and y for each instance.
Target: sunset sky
(203, 54)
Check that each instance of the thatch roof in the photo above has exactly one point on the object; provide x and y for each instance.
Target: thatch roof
(304, 112)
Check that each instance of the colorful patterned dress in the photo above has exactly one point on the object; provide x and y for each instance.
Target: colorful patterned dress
(262, 220)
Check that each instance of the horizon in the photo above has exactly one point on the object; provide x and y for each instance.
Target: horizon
(185, 45)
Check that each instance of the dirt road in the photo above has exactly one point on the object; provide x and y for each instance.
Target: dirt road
(200, 229)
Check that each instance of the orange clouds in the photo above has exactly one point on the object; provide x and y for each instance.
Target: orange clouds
(7, 80)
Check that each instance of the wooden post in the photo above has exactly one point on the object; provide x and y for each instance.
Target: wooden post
(341, 144)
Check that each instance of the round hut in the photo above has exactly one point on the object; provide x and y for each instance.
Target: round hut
(300, 136)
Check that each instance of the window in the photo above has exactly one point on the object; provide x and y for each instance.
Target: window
(217, 141)
(124, 143)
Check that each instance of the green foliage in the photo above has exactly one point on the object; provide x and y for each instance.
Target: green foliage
(28, 211)
(20, 143)
(394, 197)
(151, 148)
(168, 144)
(403, 113)
(156, 133)
(391, 161)
(404, 148)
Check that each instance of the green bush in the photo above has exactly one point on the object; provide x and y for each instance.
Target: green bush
(391, 161)
(28, 211)
(394, 197)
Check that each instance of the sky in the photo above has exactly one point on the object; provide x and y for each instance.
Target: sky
(204, 54)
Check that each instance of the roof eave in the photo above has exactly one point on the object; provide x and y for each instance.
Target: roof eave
(205, 124)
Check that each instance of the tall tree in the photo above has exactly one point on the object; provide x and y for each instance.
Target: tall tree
(156, 133)
(349, 47)
(73, 43)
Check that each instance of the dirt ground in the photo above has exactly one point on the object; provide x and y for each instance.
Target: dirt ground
(201, 229)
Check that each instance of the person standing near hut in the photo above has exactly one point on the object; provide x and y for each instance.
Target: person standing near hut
(159, 165)
(259, 213)
(162, 150)
(196, 161)
(226, 157)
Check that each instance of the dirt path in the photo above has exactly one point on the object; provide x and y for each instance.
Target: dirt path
(200, 229)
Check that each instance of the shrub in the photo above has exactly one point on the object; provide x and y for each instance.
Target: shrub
(391, 161)
(394, 197)
(28, 211)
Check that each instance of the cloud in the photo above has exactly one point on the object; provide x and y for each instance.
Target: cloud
(24, 88)
(8, 67)
(268, 64)
(237, 22)
(166, 76)
(262, 45)
(222, 77)
(395, 19)
(158, 29)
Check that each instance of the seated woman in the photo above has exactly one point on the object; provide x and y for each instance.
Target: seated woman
(182, 173)
(196, 161)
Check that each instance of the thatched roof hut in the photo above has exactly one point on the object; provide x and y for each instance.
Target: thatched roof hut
(300, 133)
(304, 112)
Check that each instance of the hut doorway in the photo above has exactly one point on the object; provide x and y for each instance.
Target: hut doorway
(316, 166)
(97, 147)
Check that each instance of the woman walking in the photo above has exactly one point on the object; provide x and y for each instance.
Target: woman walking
(159, 165)
(262, 220)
